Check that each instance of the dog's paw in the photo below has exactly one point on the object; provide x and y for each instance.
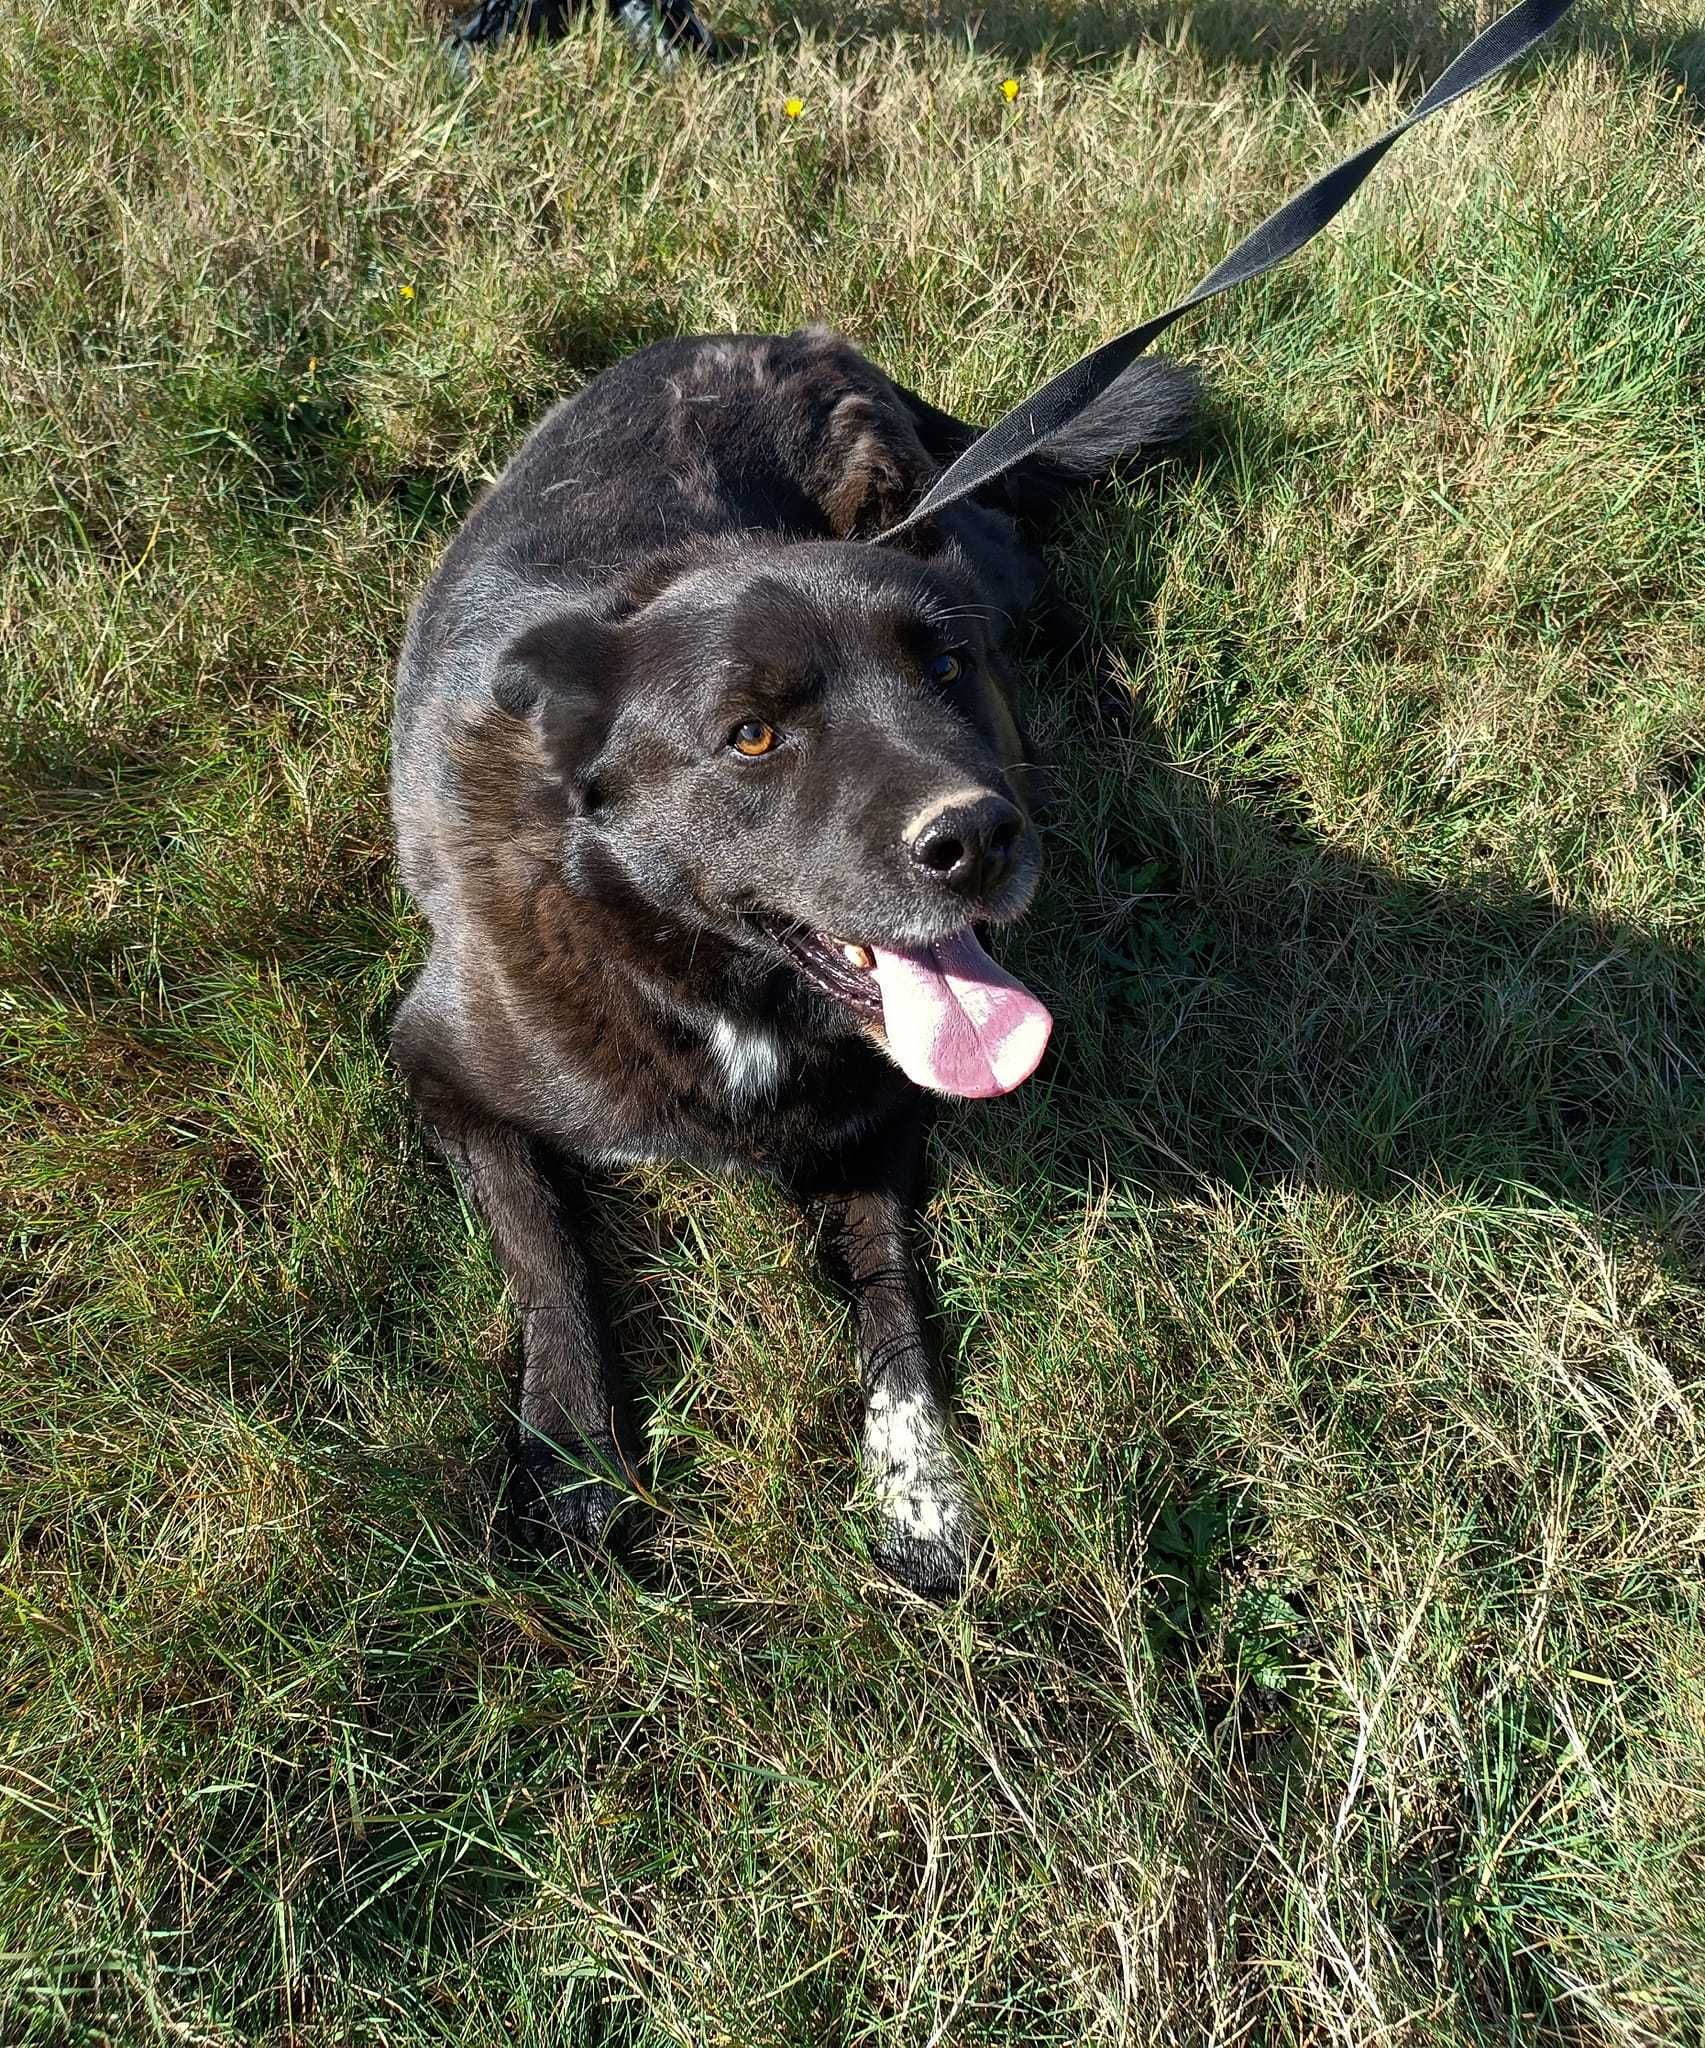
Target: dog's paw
(938, 1567)
(926, 1535)
(560, 1509)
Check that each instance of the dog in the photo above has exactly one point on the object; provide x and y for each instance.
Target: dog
(709, 797)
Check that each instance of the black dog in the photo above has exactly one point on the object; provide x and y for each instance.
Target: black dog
(703, 796)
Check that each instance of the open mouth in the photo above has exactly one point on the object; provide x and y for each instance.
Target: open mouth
(841, 968)
(954, 1021)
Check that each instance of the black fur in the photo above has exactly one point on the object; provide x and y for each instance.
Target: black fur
(623, 906)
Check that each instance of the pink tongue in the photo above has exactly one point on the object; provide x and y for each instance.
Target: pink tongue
(956, 1022)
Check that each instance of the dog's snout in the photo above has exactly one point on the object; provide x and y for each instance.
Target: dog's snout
(968, 844)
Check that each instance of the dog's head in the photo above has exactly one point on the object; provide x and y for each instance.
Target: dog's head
(808, 750)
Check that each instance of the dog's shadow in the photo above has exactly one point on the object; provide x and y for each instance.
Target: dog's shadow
(1245, 1002)
(1248, 1012)
(1253, 1005)
(1249, 1004)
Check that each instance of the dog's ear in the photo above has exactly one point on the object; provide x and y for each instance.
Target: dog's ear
(563, 675)
(874, 467)
(988, 550)
(565, 658)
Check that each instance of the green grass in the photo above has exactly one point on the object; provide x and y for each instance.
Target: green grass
(1331, 1316)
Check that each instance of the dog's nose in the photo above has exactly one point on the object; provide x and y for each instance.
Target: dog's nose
(969, 843)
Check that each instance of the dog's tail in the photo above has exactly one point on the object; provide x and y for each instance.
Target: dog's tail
(1153, 405)
(1149, 409)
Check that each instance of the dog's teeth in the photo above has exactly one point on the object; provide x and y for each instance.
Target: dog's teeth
(860, 956)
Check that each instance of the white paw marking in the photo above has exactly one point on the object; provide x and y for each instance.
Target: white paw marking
(751, 1060)
(915, 1473)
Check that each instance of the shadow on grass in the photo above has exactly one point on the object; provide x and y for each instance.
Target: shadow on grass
(1267, 1008)
(1276, 1010)
(1347, 47)
(1277, 1014)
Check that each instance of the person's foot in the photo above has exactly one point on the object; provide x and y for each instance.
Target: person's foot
(665, 29)
(494, 21)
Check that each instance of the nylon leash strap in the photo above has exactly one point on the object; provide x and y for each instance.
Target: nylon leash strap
(1026, 429)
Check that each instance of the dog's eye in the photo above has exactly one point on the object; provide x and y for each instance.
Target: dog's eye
(753, 738)
(945, 668)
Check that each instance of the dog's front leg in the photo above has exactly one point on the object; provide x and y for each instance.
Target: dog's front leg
(868, 1211)
(570, 1458)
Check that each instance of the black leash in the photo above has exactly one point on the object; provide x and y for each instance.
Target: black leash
(1023, 431)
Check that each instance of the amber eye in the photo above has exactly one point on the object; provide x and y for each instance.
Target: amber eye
(945, 668)
(753, 738)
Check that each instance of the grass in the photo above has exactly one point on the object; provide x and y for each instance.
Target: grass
(1331, 1314)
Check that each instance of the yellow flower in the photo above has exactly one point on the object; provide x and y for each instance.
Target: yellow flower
(407, 292)
(313, 364)
(793, 109)
(1010, 87)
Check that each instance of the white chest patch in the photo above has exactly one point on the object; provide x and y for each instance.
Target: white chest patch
(752, 1060)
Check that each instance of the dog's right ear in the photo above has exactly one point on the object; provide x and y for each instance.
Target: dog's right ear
(563, 675)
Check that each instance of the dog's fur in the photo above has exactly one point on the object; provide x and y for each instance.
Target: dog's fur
(619, 900)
